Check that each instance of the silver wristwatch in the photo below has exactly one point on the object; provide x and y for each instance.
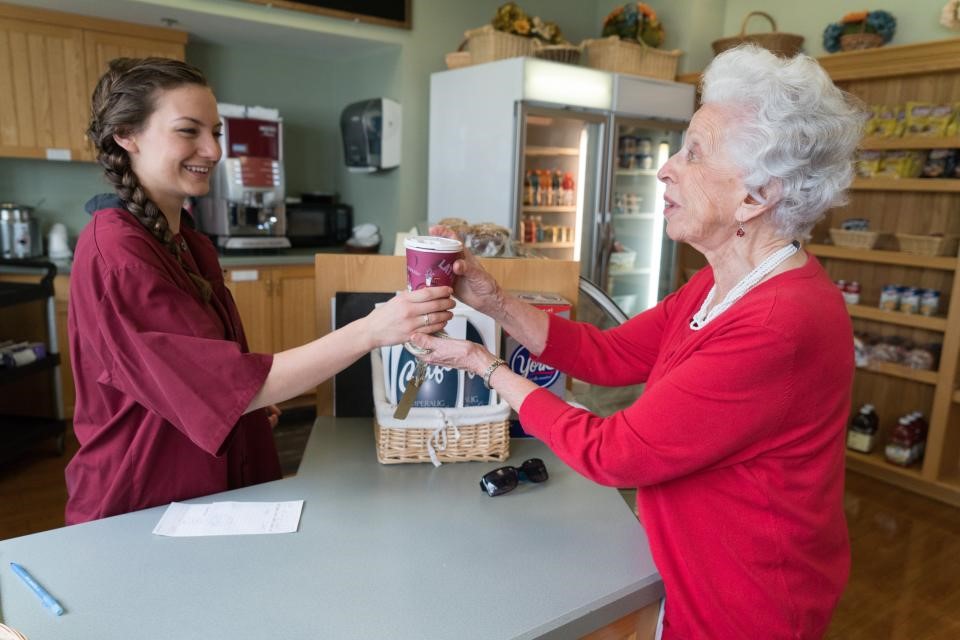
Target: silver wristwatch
(489, 371)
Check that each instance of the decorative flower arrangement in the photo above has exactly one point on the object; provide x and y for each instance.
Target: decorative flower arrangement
(511, 18)
(634, 21)
(950, 15)
(880, 23)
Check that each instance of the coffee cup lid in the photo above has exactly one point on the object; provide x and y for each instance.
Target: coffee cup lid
(438, 244)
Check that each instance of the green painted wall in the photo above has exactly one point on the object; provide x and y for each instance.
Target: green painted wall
(311, 91)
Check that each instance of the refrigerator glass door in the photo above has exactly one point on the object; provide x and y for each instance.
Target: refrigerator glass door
(596, 308)
(558, 186)
(638, 257)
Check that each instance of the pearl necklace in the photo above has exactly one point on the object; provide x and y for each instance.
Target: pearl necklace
(749, 281)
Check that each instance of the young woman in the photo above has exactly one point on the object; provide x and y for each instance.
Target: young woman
(170, 402)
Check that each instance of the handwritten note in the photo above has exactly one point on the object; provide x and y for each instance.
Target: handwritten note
(229, 518)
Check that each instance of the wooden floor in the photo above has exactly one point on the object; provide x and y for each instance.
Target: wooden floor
(904, 585)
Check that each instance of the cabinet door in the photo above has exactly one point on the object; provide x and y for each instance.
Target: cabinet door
(103, 47)
(294, 306)
(251, 289)
(43, 91)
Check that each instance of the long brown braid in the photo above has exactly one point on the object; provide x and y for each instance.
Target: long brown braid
(122, 102)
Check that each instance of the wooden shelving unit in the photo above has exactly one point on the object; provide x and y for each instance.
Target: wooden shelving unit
(928, 185)
(898, 258)
(928, 72)
(910, 142)
(930, 323)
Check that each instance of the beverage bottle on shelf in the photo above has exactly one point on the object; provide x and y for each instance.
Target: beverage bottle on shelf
(545, 187)
(863, 430)
(567, 186)
(527, 190)
(540, 232)
(535, 187)
(523, 229)
(556, 188)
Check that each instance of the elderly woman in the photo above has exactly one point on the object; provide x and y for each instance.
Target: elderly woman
(736, 445)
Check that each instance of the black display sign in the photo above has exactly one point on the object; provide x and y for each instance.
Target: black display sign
(392, 13)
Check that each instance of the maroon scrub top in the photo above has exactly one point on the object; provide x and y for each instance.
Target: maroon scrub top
(162, 377)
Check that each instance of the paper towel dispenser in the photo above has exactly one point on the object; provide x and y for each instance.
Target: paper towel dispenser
(371, 135)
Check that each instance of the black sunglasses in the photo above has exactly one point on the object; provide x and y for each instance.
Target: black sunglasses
(504, 479)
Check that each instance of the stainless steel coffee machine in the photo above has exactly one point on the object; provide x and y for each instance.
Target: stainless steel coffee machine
(245, 207)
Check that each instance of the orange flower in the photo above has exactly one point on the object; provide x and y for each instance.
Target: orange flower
(854, 17)
(646, 10)
(522, 26)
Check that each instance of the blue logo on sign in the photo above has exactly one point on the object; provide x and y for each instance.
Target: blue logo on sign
(523, 364)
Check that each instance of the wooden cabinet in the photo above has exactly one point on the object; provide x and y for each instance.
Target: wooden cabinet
(43, 90)
(928, 72)
(277, 305)
(51, 61)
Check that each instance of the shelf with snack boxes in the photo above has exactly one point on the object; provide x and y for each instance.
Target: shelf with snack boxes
(898, 258)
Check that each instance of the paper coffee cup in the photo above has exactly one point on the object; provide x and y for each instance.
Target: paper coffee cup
(430, 261)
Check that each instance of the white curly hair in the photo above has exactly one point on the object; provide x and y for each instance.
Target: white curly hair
(800, 130)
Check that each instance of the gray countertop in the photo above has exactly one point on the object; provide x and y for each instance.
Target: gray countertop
(387, 551)
(280, 258)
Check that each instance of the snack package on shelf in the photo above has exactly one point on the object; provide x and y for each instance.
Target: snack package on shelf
(901, 164)
(868, 163)
(940, 163)
(889, 121)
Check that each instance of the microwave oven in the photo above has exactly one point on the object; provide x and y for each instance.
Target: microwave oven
(319, 224)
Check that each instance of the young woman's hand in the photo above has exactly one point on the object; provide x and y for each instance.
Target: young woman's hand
(421, 311)
(474, 285)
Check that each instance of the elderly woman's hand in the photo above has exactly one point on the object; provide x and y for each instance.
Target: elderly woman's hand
(422, 311)
(474, 286)
(450, 352)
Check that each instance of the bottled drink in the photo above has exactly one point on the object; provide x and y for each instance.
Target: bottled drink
(863, 430)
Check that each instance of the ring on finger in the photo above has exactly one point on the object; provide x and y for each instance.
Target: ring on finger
(426, 319)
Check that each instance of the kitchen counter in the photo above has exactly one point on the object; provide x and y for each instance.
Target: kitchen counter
(281, 257)
(383, 551)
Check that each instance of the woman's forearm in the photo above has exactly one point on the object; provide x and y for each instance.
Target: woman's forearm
(296, 371)
(524, 322)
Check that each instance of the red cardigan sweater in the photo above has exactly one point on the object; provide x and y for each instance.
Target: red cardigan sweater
(736, 447)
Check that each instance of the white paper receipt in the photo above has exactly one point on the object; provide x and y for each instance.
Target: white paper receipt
(229, 518)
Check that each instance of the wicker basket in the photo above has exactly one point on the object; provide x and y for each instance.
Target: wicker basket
(486, 44)
(622, 56)
(566, 53)
(854, 239)
(928, 245)
(856, 41)
(437, 435)
(782, 44)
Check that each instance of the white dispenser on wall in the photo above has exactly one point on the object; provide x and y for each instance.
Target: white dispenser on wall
(371, 135)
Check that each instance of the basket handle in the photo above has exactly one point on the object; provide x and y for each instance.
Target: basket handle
(743, 26)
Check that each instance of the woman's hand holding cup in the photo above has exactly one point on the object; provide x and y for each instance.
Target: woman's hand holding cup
(425, 310)
(474, 286)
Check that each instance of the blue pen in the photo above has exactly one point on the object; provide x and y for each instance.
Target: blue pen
(48, 600)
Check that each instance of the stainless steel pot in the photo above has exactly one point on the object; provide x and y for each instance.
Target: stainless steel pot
(19, 232)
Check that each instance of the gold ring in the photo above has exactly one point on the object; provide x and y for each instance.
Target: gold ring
(426, 319)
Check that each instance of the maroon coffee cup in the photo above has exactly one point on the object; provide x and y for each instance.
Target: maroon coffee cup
(430, 261)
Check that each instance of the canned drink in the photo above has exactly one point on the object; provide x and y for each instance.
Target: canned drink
(929, 302)
(890, 297)
(910, 300)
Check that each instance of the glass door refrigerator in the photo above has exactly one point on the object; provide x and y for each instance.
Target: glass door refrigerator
(636, 258)
(557, 191)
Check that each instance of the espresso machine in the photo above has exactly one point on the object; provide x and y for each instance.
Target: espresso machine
(244, 209)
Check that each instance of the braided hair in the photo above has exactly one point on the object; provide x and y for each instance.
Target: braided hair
(124, 99)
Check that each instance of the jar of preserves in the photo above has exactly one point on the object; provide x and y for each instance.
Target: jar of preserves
(851, 292)
(863, 430)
